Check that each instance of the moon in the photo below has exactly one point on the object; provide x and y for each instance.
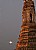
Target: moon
(10, 42)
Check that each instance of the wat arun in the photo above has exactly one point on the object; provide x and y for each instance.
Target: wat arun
(27, 36)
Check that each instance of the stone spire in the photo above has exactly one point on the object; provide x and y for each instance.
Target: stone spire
(27, 36)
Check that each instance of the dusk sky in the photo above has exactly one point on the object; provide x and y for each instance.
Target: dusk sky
(10, 22)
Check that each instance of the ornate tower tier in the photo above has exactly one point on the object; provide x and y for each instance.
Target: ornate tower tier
(27, 37)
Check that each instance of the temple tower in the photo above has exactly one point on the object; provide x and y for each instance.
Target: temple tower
(27, 37)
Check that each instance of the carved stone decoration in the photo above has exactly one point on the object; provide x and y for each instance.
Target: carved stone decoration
(27, 36)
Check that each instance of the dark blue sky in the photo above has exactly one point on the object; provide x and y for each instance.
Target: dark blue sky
(10, 22)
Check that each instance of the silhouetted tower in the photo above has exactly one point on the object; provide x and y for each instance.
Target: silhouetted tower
(27, 37)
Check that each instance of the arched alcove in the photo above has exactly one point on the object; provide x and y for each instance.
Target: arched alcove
(30, 18)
